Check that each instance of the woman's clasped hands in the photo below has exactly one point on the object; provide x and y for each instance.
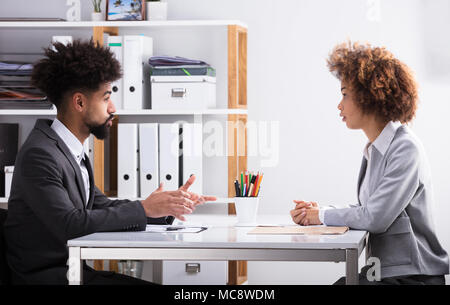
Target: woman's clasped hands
(305, 213)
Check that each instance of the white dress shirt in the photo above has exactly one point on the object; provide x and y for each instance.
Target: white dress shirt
(77, 150)
(381, 143)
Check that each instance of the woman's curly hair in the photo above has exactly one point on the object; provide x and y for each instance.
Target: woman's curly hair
(81, 65)
(382, 84)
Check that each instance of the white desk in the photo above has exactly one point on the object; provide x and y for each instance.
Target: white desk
(221, 241)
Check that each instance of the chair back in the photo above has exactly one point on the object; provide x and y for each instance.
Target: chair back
(4, 269)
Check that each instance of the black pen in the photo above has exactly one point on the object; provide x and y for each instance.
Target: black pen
(237, 188)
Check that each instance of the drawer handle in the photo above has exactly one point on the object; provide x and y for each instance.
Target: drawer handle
(192, 267)
(178, 92)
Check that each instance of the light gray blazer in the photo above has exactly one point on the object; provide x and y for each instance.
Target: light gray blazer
(398, 211)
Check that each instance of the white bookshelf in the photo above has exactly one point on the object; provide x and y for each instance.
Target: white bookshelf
(121, 24)
(226, 48)
(142, 112)
(4, 200)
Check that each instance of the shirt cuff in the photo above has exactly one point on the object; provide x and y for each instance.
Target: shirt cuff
(322, 213)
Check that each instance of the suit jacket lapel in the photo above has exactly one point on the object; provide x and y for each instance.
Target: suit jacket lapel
(76, 168)
(44, 126)
(362, 173)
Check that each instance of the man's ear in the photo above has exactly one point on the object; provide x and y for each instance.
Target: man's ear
(79, 101)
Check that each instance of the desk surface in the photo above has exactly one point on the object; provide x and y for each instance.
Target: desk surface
(222, 233)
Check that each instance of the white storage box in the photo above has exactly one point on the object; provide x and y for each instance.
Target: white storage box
(9, 170)
(195, 92)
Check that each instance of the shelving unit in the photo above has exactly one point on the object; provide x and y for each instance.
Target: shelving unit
(120, 24)
(236, 111)
(45, 112)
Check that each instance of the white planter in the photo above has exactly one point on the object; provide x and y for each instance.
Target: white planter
(156, 10)
(96, 16)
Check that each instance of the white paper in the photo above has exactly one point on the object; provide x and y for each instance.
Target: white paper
(174, 229)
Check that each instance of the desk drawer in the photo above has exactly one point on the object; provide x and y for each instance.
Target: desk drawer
(190, 272)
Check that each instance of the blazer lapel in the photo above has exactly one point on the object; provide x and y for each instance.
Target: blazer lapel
(75, 167)
(362, 173)
(44, 126)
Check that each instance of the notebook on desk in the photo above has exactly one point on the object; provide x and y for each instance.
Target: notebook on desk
(289, 230)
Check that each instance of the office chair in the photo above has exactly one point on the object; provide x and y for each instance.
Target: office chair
(4, 269)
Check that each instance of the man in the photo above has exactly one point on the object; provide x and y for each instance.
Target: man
(53, 194)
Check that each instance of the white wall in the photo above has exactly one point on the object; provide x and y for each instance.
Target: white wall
(288, 83)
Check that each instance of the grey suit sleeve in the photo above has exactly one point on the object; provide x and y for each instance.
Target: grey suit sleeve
(394, 192)
(49, 200)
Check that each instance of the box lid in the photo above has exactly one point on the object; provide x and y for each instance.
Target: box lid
(182, 79)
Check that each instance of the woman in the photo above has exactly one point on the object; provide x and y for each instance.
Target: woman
(394, 185)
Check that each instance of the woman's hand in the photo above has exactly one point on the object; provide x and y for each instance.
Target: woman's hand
(305, 213)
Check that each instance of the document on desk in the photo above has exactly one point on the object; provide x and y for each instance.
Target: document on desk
(308, 230)
(174, 229)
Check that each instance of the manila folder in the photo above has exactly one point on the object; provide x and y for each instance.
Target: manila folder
(308, 230)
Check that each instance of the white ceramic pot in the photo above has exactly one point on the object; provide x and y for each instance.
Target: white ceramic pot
(156, 10)
(96, 16)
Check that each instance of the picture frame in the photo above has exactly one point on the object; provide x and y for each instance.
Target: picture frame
(125, 10)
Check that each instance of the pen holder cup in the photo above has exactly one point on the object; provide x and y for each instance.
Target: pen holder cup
(246, 209)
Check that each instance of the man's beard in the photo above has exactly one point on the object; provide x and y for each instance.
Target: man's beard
(101, 132)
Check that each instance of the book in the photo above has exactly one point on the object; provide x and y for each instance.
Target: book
(9, 140)
(183, 70)
(173, 61)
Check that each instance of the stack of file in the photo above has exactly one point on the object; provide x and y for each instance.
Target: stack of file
(15, 68)
(21, 95)
(173, 66)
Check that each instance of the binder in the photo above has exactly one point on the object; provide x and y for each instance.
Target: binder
(192, 152)
(137, 50)
(148, 158)
(169, 152)
(9, 143)
(127, 159)
(115, 44)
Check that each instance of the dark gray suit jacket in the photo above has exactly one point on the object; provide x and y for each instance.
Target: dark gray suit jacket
(47, 207)
(398, 211)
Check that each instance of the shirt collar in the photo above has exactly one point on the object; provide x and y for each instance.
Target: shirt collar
(75, 146)
(384, 139)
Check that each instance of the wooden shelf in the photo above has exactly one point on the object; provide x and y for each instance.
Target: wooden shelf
(144, 112)
(122, 24)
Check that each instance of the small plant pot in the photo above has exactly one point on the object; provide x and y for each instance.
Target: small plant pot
(96, 16)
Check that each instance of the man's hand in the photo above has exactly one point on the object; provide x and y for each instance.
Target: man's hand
(305, 213)
(174, 203)
(197, 199)
(164, 203)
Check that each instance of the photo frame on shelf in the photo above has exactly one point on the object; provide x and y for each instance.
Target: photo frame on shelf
(125, 10)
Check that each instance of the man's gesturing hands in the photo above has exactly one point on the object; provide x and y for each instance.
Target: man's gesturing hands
(174, 203)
